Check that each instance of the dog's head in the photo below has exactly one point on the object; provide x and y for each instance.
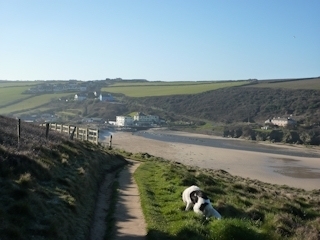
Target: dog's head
(195, 195)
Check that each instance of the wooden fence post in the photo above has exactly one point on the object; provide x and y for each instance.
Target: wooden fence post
(47, 129)
(72, 134)
(77, 133)
(18, 131)
(97, 136)
(87, 134)
(110, 142)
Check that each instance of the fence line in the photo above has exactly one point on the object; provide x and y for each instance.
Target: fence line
(87, 134)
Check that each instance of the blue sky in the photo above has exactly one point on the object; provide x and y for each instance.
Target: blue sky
(167, 40)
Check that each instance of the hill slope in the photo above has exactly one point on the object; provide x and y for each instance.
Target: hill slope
(238, 103)
(48, 187)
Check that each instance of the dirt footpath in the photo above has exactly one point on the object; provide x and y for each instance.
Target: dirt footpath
(130, 223)
(129, 220)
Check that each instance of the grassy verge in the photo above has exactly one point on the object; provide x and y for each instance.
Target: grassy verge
(250, 209)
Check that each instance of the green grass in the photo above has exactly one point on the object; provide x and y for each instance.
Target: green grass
(206, 126)
(161, 83)
(143, 90)
(12, 94)
(38, 110)
(31, 102)
(250, 209)
(19, 83)
(313, 84)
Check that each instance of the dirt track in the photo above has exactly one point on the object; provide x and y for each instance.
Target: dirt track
(129, 220)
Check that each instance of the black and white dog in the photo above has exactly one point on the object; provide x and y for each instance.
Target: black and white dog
(194, 197)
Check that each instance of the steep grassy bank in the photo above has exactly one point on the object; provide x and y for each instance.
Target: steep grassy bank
(48, 188)
(250, 209)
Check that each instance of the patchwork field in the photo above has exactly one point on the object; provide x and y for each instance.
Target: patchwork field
(165, 89)
(33, 101)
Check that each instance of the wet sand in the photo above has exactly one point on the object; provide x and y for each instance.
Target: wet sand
(277, 164)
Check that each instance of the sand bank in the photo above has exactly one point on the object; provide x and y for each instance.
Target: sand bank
(294, 171)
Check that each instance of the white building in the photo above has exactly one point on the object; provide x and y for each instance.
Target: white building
(281, 122)
(79, 97)
(124, 121)
(145, 119)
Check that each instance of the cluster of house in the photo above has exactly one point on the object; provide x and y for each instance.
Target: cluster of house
(71, 86)
(103, 97)
(281, 122)
(139, 119)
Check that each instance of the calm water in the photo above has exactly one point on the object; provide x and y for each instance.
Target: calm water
(224, 143)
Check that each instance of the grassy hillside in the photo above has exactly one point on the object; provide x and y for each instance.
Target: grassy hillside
(11, 95)
(31, 102)
(237, 104)
(206, 105)
(166, 89)
(250, 209)
(4, 84)
(312, 84)
(48, 187)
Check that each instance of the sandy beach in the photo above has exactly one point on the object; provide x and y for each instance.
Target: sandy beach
(293, 167)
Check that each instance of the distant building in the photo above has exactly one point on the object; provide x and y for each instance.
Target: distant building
(139, 119)
(80, 97)
(281, 122)
(93, 120)
(106, 97)
(124, 121)
(143, 119)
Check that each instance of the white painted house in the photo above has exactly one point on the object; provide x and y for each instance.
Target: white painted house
(281, 122)
(145, 119)
(124, 121)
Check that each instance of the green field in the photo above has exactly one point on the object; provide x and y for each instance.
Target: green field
(12, 94)
(19, 83)
(31, 103)
(313, 84)
(160, 83)
(165, 89)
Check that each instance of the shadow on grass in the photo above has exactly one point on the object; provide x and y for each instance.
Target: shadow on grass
(221, 231)
(183, 234)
